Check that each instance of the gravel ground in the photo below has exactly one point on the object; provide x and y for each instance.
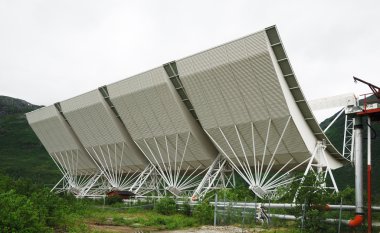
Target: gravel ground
(218, 229)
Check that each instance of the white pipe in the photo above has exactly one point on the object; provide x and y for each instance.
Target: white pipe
(358, 132)
(283, 216)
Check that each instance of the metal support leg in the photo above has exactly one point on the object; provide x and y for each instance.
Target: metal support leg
(319, 152)
(214, 173)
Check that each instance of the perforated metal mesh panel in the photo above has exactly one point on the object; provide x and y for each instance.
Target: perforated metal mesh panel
(152, 110)
(100, 131)
(236, 84)
(59, 141)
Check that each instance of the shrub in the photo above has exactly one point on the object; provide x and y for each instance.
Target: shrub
(111, 200)
(314, 197)
(19, 214)
(186, 208)
(204, 213)
(239, 193)
(51, 208)
(166, 206)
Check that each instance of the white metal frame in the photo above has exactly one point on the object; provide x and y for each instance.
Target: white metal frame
(77, 182)
(175, 181)
(147, 181)
(348, 139)
(323, 169)
(219, 175)
(333, 121)
(259, 179)
(111, 166)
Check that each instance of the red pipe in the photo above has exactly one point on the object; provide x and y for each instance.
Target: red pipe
(357, 221)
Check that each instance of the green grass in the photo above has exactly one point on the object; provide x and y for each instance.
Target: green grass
(138, 218)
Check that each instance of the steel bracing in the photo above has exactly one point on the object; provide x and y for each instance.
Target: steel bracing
(176, 177)
(219, 175)
(320, 167)
(257, 172)
(348, 139)
(110, 159)
(147, 181)
(78, 183)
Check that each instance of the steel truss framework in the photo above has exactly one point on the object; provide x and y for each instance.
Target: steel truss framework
(348, 140)
(219, 175)
(78, 183)
(176, 181)
(260, 177)
(110, 163)
(321, 169)
(159, 178)
(148, 181)
(92, 186)
(109, 160)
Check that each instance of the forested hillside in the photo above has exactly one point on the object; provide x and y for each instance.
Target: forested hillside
(21, 153)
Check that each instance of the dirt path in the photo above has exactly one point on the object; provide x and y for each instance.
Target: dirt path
(124, 229)
(211, 229)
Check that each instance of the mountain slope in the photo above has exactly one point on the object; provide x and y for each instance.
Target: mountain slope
(21, 153)
(9, 106)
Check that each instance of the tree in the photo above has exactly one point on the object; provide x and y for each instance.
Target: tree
(19, 214)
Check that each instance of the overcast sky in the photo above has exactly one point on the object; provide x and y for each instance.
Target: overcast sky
(52, 50)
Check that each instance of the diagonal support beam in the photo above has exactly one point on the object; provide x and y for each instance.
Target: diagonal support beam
(214, 174)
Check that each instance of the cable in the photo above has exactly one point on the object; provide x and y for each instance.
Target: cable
(374, 134)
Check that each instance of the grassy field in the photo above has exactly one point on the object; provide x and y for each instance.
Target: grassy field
(97, 218)
(108, 219)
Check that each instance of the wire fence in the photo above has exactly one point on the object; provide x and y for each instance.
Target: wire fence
(253, 214)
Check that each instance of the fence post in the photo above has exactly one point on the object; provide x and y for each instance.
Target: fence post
(215, 210)
(269, 219)
(245, 203)
(303, 215)
(224, 207)
(254, 211)
(340, 214)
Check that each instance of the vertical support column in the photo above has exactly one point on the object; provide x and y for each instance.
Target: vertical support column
(215, 208)
(358, 134)
(359, 165)
(369, 177)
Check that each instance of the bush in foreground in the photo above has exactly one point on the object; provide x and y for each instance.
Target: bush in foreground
(166, 206)
(204, 213)
(19, 214)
